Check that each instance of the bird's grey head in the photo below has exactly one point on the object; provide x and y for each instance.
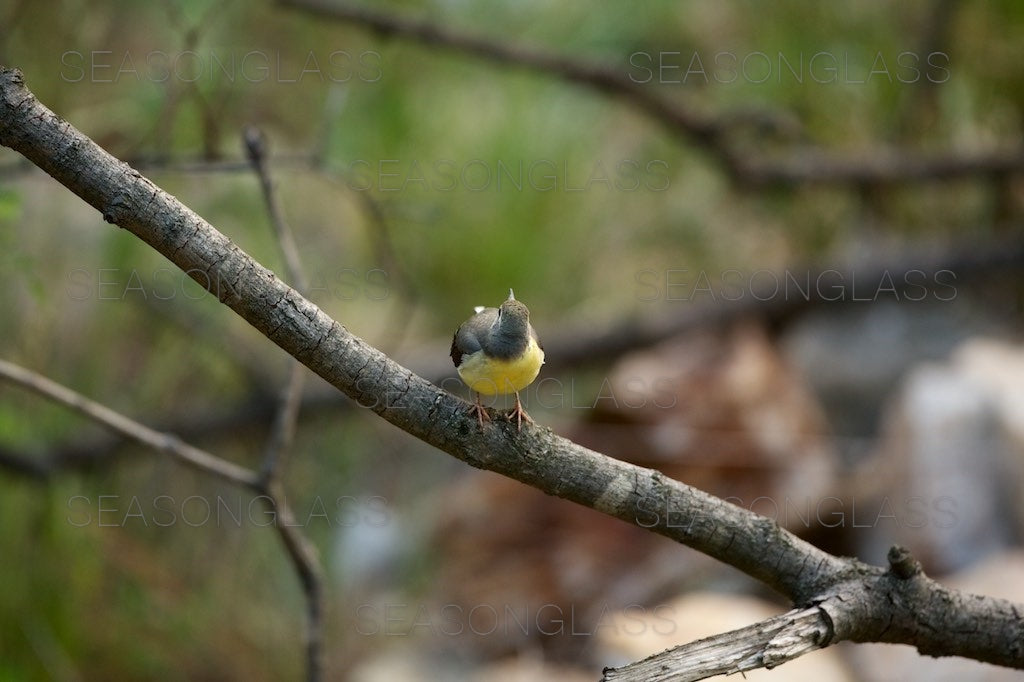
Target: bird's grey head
(513, 319)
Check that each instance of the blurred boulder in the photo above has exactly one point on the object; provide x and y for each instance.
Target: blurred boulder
(952, 448)
(855, 356)
(721, 410)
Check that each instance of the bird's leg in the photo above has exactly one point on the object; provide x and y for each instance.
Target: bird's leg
(519, 413)
(481, 412)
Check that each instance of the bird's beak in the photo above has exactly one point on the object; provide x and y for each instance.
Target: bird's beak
(511, 295)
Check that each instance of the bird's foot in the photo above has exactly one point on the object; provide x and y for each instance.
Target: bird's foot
(480, 411)
(519, 414)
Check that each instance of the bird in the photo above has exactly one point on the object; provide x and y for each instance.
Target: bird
(497, 352)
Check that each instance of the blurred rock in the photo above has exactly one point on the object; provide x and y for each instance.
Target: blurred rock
(413, 662)
(951, 448)
(518, 569)
(526, 669)
(725, 412)
(854, 357)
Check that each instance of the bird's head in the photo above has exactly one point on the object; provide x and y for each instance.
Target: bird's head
(513, 317)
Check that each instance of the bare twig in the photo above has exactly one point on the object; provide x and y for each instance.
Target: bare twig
(306, 561)
(285, 419)
(300, 550)
(704, 131)
(208, 104)
(256, 148)
(782, 638)
(767, 644)
(287, 414)
(162, 442)
(89, 452)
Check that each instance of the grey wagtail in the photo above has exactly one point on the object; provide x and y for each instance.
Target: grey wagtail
(497, 352)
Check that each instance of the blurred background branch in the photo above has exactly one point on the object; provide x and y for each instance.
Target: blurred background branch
(300, 549)
(714, 134)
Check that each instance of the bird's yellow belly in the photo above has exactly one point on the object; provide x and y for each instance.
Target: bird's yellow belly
(493, 376)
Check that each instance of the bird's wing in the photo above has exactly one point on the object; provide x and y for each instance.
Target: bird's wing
(536, 339)
(472, 334)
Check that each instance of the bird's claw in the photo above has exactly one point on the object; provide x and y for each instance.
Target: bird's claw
(481, 413)
(519, 414)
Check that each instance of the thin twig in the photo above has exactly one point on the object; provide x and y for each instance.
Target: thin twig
(287, 412)
(286, 417)
(768, 643)
(306, 561)
(300, 550)
(256, 148)
(163, 442)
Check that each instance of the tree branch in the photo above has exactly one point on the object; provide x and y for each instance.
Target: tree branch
(799, 167)
(767, 644)
(935, 619)
(300, 550)
(864, 603)
(161, 442)
(306, 561)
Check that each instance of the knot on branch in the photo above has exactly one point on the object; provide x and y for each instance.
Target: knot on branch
(902, 564)
(118, 208)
